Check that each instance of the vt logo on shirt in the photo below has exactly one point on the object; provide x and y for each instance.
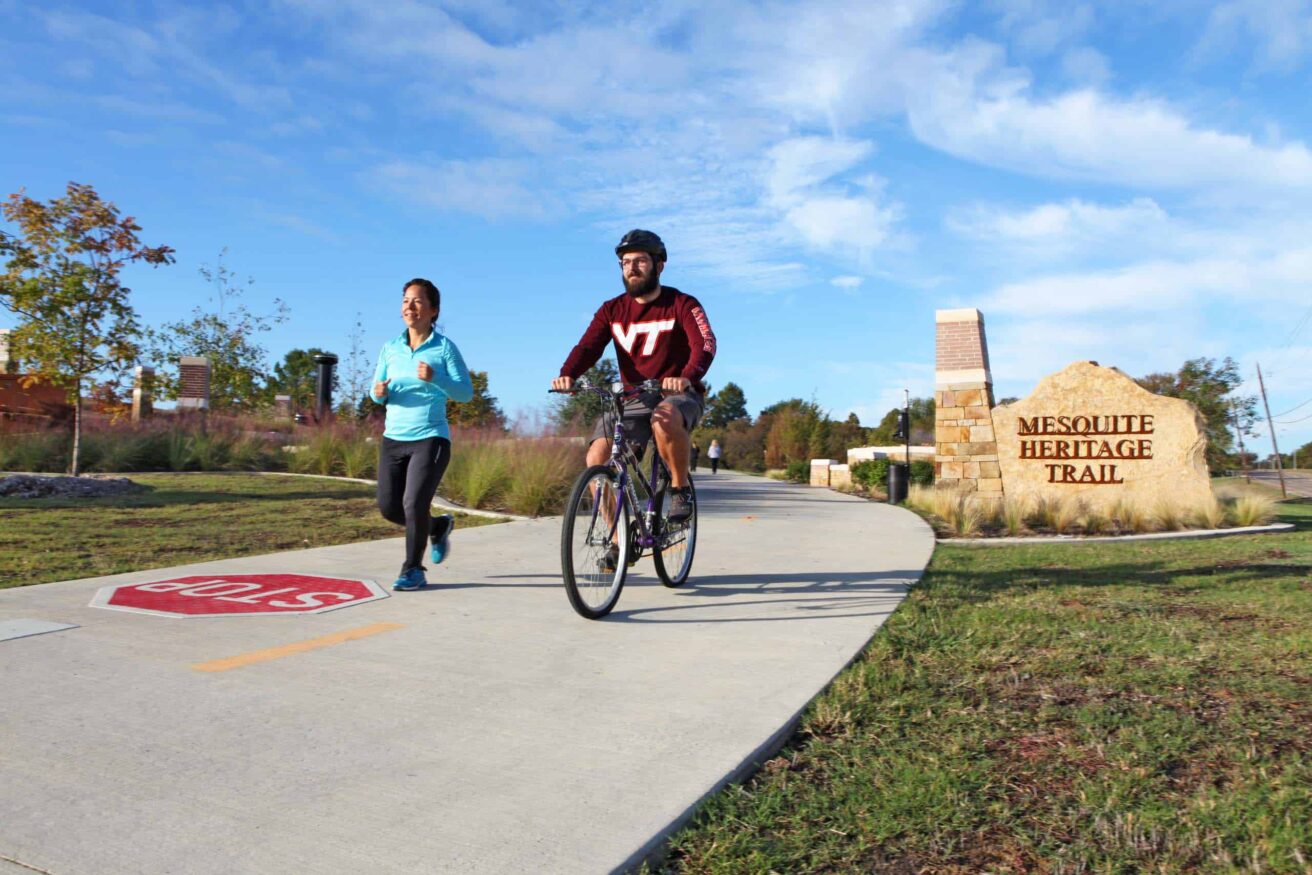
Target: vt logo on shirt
(653, 330)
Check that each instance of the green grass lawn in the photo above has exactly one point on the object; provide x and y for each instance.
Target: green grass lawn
(184, 518)
(1131, 707)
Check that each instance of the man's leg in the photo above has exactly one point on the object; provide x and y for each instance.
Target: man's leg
(673, 441)
(599, 452)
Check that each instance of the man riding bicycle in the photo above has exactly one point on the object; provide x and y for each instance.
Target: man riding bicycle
(660, 334)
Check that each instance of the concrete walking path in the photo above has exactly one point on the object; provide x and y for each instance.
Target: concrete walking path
(483, 727)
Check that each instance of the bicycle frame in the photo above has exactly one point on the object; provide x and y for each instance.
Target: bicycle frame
(623, 460)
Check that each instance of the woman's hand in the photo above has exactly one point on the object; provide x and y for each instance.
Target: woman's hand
(424, 371)
(380, 389)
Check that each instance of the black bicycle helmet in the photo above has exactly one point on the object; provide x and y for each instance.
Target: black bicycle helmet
(639, 240)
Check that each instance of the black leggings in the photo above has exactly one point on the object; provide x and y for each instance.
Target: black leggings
(408, 474)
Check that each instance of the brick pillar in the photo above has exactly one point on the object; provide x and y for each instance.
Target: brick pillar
(193, 383)
(143, 388)
(967, 449)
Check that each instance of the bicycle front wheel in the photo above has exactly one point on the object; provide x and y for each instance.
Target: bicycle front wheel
(675, 542)
(594, 543)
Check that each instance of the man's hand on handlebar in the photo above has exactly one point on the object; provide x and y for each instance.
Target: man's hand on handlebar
(562, 384)
(676, 384)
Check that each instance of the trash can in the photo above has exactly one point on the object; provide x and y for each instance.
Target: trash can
(899, 473)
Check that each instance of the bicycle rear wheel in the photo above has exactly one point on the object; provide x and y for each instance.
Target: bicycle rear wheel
(676, 542)
(596, 518)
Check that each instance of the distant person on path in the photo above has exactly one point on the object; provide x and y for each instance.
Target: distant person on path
(696, 451)
(659, 334)
(713, 453)
(417, 372)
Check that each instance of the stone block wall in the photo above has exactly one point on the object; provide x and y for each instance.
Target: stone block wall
(820, 471)
(966, 447)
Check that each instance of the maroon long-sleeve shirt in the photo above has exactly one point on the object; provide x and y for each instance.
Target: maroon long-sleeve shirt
(668, 337)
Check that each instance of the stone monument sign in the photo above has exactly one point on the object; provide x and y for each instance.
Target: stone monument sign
(1092, 431)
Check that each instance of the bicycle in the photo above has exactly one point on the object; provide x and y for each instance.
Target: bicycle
(602, 512)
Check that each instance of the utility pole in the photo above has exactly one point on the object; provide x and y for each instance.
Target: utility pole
(1272, 426)
(1243, 456)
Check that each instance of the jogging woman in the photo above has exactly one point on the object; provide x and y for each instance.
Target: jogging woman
(417, 372)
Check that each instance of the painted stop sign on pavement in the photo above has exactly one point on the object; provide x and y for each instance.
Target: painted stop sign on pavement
(238, 595)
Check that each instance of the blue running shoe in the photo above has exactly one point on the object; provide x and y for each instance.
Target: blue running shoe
(411, 579)
(440, 537)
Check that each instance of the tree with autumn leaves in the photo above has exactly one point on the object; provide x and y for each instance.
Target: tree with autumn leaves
(61, 278)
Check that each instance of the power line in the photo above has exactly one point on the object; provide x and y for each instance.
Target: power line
(1293, 421)
(1295, 407)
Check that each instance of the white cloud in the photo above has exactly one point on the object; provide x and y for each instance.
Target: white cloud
(1160, 286)
(851, 283)
(1090, 136)
(1041, 27)
(1086, 66)
(824, 211)
(1279, 31)
(1061, 225)
(492, 188)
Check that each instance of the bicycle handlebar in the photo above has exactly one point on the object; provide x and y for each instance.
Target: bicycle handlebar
(584, 385)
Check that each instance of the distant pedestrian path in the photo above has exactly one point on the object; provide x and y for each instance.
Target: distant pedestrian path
(475, 726)
(1297, 483)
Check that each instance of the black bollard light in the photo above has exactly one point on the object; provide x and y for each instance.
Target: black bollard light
(323, 394)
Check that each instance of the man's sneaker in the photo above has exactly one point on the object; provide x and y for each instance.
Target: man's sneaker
(440, 537)
(680, 505)
(610, 560)
(412, 578)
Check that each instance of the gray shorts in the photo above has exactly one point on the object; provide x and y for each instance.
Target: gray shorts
(637, 417)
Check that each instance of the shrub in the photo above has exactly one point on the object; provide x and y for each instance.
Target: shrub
(871, 473)
(922, 472)
(181, 456)
(798, 472)
(105, 451)
(211, 450)
(44, 451)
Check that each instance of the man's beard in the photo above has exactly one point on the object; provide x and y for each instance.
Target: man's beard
(637, 288)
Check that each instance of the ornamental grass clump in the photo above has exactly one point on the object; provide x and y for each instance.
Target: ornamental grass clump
(541, 473)
(1168, 515)
(1208, 514)
(1014, 512)
(1252, 509)
(1131, 517)
(954, 511)
(359, 454)
(1065, 513)
(1095, 522)
(479, 471)
(322, 455)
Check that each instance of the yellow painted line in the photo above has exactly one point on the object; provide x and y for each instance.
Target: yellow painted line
(299, 647)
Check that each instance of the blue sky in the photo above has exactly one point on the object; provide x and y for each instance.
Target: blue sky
(1126, 181)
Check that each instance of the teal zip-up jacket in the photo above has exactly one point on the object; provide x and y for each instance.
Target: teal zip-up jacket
(416, 409)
